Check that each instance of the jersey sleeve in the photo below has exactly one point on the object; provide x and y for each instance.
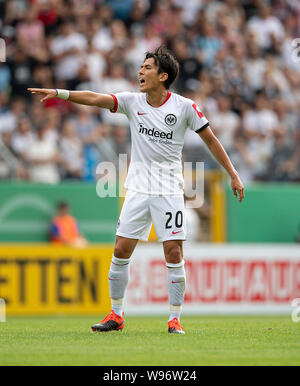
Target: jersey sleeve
(122, 102)
(195, 119)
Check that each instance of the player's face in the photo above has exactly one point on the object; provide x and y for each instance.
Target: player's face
(149, 78)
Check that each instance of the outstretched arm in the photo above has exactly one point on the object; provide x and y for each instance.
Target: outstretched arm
(221, 156)
(89, 98)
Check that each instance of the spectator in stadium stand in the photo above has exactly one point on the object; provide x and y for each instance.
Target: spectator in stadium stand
(121, 8)
(101, 40)
(207, 44)
(260, 119)
(21, 68)
(88, 128)
(4, 169)
(190, 67)
(190, 10)
(52, 123)
(48, 15)
(65, 229)
(42, 76)
(43, 157)
(275, 83)
(71, 148)
(293, 97)
(120, 137)
(267, 28)
(10, 164)
(9, 115)
(31, 36)
(5, 139)
(287, 46)
(278, 165)
(4, 78)
(254, 67)
(119, 34)
(5, 147)
(134, 56)
(36, 114)
(105, 144)
(95, 66)
(293, 164)
(114, 82)
(225, 123)
(135, 23)
(259, 127)
(288, 120)
(23, 137)
(84, 79)
(68, 50)
(240, 48)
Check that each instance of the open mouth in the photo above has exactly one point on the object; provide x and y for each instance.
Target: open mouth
(142, 81)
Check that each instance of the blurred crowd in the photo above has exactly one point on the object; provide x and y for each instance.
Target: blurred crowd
(238, 62)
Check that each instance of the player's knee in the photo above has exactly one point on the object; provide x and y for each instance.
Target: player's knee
(121, 252)
(173, 255)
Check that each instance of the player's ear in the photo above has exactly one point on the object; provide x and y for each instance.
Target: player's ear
(163, 76)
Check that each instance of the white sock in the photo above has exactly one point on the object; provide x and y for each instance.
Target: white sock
(176, 287)
(117, 306)
(175, 312)
(118, 280)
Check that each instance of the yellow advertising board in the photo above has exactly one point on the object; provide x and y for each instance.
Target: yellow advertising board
(46, 279)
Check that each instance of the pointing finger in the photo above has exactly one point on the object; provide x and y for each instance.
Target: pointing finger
(36, 90)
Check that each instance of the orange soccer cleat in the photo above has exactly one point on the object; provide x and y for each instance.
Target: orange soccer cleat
(174, 327)
(110, 323)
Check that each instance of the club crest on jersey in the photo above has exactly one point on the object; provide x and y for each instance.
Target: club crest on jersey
(170, 119)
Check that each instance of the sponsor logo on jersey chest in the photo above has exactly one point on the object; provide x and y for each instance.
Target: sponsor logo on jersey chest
(154, 132)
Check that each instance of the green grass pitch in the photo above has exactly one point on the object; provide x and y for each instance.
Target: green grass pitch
(209, 340)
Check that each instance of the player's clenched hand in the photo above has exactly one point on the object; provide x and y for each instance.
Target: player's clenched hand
(237, 186)
(46, 92)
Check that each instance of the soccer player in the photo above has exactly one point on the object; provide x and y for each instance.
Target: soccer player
(158, 122)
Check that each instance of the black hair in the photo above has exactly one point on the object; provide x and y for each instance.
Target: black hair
(62, 205)
(166, 62)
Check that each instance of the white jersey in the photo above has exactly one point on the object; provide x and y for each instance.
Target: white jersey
(157, 138)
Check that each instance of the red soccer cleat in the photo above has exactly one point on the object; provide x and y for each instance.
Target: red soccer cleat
(174, 327)
(110, 323)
